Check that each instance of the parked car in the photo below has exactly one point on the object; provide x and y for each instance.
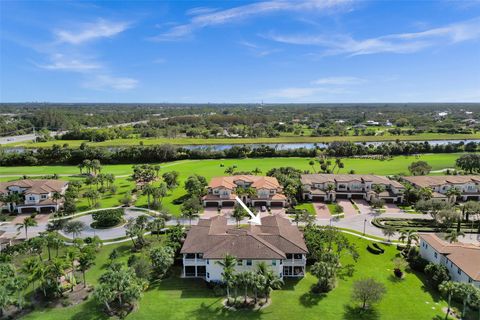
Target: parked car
(263, 208)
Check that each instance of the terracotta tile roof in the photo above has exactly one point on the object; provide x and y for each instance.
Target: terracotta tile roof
(36, 186)
(463, 255)
(257, 182)
(272, 240)
(432, 181)
(332, 178)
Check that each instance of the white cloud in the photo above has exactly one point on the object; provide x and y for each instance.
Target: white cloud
(339, 81)
(91, 31)
(202, 20)
(199, 10)
(256, 50)
(60, 62)
(102, 82)
(393, 43)
(302, 92)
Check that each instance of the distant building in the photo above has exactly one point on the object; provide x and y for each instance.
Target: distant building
(35, 195)
(469, 186)
(462, 260)
(223, 190)
(348, 186)
(275, 242)
(372, 123)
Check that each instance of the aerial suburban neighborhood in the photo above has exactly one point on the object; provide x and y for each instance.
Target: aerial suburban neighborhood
(253, 159)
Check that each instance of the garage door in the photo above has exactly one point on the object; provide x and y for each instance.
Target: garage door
(341, 196)
(277, 204)
(260, 203)
(357, 196)
(388, 200)
(211, 204)
(318, 198)
(28, 210)
(47, 209)
(228, 204)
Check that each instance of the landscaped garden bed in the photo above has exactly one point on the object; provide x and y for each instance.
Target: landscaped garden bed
(422, 225)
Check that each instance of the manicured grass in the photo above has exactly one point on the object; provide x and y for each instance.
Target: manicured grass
(176, 298)
(282, 139)
(212, 168)
(308, 206)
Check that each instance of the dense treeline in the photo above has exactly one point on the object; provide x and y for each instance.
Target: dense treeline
(160, 153)
(246, 120)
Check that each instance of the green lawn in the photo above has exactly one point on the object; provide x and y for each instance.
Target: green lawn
(212, 168)
(282, 139)
(176, 298)
(308, 206)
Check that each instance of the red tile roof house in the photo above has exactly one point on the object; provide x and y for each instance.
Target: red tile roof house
(348, 186)
(469, 186)
(36, 195)
(462, 260)
(276, 242)
(222, 191)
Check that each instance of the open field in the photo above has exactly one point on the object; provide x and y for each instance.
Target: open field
(284, 139)
(176, 298)
(212, 168)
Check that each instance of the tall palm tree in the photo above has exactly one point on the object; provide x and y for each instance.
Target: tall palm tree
(228, 264)
(272, 280)
(148, 190)
(312, 164)
(56, 196)
(448, 288)
(27, 223)
(257, 171)
(410, 236)
(157, 224)
(244, 279)
(425, 193)
(452, 194)
(330, 189)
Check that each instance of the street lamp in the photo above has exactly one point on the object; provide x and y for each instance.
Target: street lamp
(364, 225)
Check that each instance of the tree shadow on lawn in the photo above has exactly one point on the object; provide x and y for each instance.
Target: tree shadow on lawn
(89, 310)
(180, 199)
(357, 313)
(426, 286)
(289, 284)
(310, 299)
(211, 312)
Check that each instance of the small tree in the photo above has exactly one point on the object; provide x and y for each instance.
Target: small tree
(389, 231)
(367, 292)
(419, 168)
(162, 259)
(27, 223)
(238, 214)
(190, 208)
(85, 261)
(437, 273)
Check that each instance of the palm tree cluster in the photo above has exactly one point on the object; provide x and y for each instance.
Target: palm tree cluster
(91, 167)
(325, 164)
(258, 283)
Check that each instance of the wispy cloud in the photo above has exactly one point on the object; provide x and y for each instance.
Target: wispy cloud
(302, 92)
(200, 10)
(257, 50)
(61, 62)
(339, 81)
(91, 31)
(102, 82)
(393, 43)
(206, 19)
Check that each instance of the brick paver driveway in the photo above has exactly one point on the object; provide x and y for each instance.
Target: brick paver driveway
(322, 210)
(392, 208)
(348, 208)
(209, 212)
(363, 206)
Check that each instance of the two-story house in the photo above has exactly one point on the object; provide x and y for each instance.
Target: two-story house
(468, 186)
(33, 195)
(275, 242)
(222, 191)
(329, 187)
(462, 260)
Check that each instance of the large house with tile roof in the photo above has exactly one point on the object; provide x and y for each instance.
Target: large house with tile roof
(35, 195)
(275, 242)
(469, 186)
(329, 187)
(222, 191)
(461, 259)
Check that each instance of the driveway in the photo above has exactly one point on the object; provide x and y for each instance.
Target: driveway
(363, 206)
(209, 212)
(348, 208)
(322, 210)
(392, 208)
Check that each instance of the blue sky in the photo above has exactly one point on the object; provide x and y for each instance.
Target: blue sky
(240, 51)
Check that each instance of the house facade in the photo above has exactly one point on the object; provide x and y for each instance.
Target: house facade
(329, 187)
(33, 195)
(468, 186)
(276, 242)
(462, 260)
(222, 191)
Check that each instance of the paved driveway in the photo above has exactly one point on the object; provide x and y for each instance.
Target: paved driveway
(392, 208)
(322, 210)
(348, 208)
(363, 206)
(209, 212)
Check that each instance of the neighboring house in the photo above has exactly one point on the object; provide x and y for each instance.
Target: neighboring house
(329, 187)
(469, 186)
(276, 242)
(462, 260)
(34, 195)
(223, 190)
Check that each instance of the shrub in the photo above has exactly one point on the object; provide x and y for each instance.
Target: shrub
(372, 250)
(436, 273)
(337, 209)
(108, 218)
(377, 203)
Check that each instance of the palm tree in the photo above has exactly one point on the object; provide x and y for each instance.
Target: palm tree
(244, 279)
(389, 231)
(257, 171)
(74, 227)
(425, 193)
(410, 236)
(228, 264)
(453, 236)
(452, 194)
(56, 196)
(30, 267)
(156, 225)
(330, 189)
(27, 223)
(148, 190)
(448, 288)
(13, 199)
(312, 164)
(272, 280)
(80, 167)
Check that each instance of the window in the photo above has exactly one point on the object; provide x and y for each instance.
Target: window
(208, 274)
(297, 256)
(249, 262)
(274, 262)
(190, 256)
(239, 262)
(208, 261)
(281, 262)
(470, 280)
(31, 198)
(435, 254)
(459, 271)
(44, 196)
(289, 256)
